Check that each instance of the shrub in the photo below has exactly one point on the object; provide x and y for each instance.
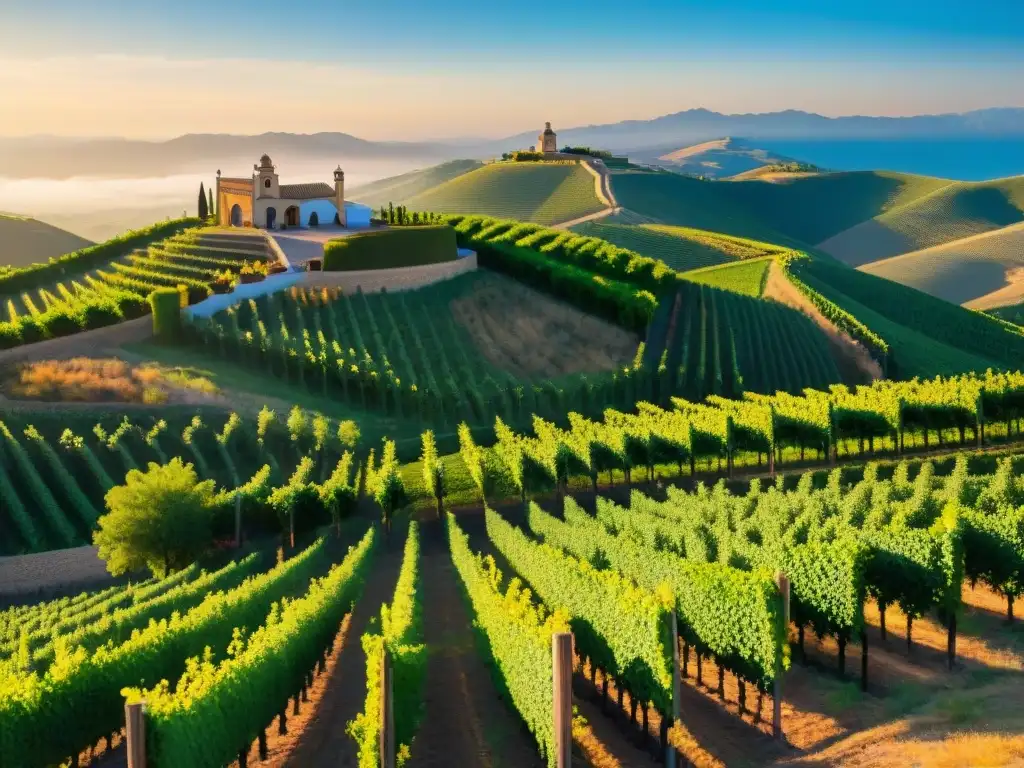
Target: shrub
(390, 248)
(60, 322)
(131, 305)
(100, 314)
(31, 330)
(10, 335)
(166, 306)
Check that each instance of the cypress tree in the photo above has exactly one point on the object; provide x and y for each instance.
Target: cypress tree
(204, 211)
(213, 211)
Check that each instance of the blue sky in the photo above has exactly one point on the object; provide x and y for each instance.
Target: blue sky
(406, 69)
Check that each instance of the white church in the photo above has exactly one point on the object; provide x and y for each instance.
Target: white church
(263, 201)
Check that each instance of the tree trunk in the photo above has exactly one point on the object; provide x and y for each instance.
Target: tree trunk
(282, 722)
(951, 641)
(1009, 609)
(842, 656)
(700, 669)
(881, 619)
(910, 627)
(243, 758)
(721, 679)
(262, 737)
(864, 659)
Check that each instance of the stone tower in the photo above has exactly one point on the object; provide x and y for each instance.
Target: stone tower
(265, 179)
(546, 141)
(339, 195)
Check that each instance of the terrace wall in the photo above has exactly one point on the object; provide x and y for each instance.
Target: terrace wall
(398, 279)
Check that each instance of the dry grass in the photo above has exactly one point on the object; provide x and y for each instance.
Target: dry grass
(103, 380)
(529, 334)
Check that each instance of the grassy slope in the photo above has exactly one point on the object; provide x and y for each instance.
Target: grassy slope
(964, 271)
(398, 189)
(952, 212)
(746, 277)
(800, 210)
(26, 241)
(682, 248)
(544, 193)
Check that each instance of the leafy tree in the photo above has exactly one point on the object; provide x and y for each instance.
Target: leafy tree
(433, 470)
(385, 483)
(337, 493)
(299, 497)
(160, 519)
(204, 209)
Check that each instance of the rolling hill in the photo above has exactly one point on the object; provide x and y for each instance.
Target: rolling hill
(25, 241)
(719, 158)
(544, 193)
(980, 271)
(946, 213)
(397, 189)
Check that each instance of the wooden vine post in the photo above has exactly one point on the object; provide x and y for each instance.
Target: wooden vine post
(782, 580)
(135, 734)
(561, 673)
(670, 751)
(387, 711)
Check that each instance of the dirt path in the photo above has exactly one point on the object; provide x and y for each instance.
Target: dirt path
(466, 723)
(590, 217)
(853, 360)
(317, 735)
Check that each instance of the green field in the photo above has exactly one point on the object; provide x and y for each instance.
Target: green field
(398, 189)
(746, 277)
(545, 193)
(979, 271)
(954, 211)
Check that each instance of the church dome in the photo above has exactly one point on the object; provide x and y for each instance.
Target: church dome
(265, 161)
(547, 130)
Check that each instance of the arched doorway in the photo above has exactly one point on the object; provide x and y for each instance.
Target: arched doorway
(291, 216)
(236, 215)
(271, 217)
(314, 220)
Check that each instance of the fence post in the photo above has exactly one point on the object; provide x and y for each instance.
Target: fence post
(561, 661)
(387, 711)
(670, 751)
(135, 728)
(783, 583)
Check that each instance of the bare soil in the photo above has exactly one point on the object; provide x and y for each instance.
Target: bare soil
(853, 360)
(529, 334)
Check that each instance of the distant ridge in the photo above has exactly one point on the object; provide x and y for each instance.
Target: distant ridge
(55, 157)
(24, 240)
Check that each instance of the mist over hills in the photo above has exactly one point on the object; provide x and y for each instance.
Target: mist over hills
(53, 157)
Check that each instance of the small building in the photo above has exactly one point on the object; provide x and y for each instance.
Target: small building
(546, 140)
(262, 201)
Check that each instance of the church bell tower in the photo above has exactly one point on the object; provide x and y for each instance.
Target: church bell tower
(339, 195)
(265, 179)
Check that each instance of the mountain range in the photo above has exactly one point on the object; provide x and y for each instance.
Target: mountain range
(52, 157)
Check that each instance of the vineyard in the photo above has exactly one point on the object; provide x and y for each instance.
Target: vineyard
(925, 335)
(681, 248)
(102, 287)
(545, 193)
(748, 277)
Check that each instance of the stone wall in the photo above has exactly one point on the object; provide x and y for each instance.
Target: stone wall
(401, 279)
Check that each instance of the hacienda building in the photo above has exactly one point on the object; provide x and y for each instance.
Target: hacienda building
(262, 201)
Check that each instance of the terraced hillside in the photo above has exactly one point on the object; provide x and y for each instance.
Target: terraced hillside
(24, 240)
(545, 193)
(951, 212)
(397, 189)
(981, 271)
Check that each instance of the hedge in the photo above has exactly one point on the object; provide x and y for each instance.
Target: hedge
(391, 248)
(82, 260)
(166, 306)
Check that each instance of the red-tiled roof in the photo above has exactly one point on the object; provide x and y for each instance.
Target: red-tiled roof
(310, 191)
